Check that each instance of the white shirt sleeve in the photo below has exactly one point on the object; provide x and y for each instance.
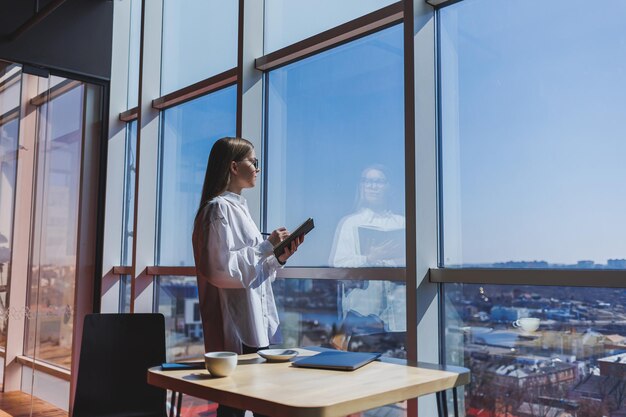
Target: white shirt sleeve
(233, 267)
(346, 251)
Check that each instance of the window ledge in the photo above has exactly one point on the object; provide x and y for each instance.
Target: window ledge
(44, 367)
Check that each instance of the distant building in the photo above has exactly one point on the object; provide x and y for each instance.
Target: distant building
(522, 375)
(534, 410)
(613, 365)
(615, 341)
(521, 264)
(585, 264)
(616, 263)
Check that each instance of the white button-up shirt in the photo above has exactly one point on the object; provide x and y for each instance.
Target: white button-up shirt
(231, 255)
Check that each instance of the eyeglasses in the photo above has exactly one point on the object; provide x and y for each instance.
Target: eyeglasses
(368, 182)
(253, 161)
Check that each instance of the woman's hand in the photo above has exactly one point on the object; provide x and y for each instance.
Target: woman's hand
(278, 236)
(385, 251)
(290, 250)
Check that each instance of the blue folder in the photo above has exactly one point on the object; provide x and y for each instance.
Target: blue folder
(181, 366)
(339, 360)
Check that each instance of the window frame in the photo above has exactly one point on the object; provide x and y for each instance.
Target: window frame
(249, 76)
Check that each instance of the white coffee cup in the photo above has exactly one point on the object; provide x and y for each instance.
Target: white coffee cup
(527, 324)
(220, 363)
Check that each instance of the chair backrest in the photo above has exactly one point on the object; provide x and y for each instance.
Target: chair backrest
(116, 351)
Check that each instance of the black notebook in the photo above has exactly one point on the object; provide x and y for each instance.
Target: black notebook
(303, 229)
(343, 361)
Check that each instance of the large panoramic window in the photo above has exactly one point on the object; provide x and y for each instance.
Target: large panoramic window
(533, 122)
(335, 125)
(189, 131)
(55, 228)
(10, 76)
(290, 21)
(199, 41)
(336, 152)
(532, 140)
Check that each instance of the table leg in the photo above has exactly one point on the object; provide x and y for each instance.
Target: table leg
(180, 404)
(439, 410)
(173, 403)
(456, 402)
(444, 403)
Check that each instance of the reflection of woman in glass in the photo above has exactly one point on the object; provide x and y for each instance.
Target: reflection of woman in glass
(371, 236)
(235, 266)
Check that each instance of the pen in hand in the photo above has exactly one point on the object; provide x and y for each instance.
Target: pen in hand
(265, 234)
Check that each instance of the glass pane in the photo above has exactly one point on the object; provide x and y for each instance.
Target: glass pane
(533, 134)
(134, 41)
(9, 139)
(178, 302)
(52, 278)
(366, 316)
(8, 169)
(290, 21)
(48, 83)
(10, 77)
(199, 41)
(125, 291)
(189, 131)
(571, 364)
(129, 193)
(336, 152)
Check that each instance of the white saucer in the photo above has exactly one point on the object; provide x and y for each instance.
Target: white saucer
(278, 355)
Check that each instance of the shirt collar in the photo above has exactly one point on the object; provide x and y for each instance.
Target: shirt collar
(233, 197)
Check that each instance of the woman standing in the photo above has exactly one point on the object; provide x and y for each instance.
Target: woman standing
(235, 266)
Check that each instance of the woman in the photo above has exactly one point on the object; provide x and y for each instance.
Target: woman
(372, 236)
(235, 266)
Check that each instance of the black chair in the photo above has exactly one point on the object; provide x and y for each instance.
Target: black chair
(116, 351)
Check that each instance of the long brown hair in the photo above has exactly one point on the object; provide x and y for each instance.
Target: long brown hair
(217, 176)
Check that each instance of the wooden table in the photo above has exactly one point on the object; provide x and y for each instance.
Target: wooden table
(279, 389)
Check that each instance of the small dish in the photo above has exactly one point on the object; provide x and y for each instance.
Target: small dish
(278, 355)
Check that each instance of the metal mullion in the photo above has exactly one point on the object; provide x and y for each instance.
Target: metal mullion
(133, 275)
(249, 113)
(138, 138)
(354, 29)
(362, 274)
(410, 192)
(239, 70)
(201, 88)
(599, 278)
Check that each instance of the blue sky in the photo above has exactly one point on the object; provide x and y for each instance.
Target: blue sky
(534, 130)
